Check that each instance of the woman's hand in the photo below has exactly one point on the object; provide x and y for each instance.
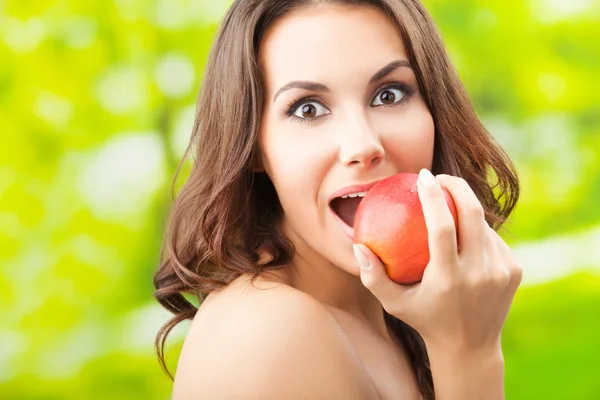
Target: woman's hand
(464, 297)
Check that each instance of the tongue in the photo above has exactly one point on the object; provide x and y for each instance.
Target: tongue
(346, 208)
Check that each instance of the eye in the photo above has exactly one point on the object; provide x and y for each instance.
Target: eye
(388, 96)
(309, 110)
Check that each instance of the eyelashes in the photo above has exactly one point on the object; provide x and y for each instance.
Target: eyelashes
(306, 104)
(396, 94)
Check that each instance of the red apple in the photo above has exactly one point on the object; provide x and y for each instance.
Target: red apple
(389, 221)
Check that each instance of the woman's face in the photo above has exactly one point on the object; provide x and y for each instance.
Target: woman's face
(342, 110)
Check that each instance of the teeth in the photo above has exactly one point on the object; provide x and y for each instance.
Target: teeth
(352, 195)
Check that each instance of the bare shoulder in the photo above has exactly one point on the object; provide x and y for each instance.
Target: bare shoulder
(267, 341)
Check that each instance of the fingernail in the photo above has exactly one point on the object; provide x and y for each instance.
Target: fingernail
(427, 178)
(363, 263)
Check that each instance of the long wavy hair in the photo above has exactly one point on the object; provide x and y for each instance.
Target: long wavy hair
(225, 212)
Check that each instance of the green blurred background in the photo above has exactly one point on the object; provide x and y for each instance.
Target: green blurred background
(96, 106)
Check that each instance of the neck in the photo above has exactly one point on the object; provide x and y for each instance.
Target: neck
(333, 286)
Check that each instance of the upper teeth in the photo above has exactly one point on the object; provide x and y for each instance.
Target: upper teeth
(359, 194)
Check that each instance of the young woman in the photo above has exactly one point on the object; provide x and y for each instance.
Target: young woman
(304, 101)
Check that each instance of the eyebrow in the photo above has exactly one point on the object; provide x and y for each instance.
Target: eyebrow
(388, 69)
(318, 87)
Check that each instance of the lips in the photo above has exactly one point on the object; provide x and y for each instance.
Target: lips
(344, 203)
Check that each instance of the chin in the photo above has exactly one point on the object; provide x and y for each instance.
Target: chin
(346, 262)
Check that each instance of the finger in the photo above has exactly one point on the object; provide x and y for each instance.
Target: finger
(514, 267)
(496, 264)
(471, 219)
(374, 277)
(441, 231)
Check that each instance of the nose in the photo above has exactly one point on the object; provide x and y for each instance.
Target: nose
(360, 145)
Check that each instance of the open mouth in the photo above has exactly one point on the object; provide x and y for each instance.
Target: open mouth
(345, 207)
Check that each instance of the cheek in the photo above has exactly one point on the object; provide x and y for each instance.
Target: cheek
(297, 165)
(410, 140)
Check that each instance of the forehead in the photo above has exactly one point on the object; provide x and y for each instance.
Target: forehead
(316, 42)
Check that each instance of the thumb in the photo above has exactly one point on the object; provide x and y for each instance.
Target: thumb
(375, 278)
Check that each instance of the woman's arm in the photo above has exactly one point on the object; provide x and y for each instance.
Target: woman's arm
(467, 375)
(462, 302)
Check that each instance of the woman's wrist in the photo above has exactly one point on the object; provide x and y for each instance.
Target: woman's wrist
(465, 374)
(467, 352)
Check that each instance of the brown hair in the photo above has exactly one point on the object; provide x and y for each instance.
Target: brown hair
(225, 212)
